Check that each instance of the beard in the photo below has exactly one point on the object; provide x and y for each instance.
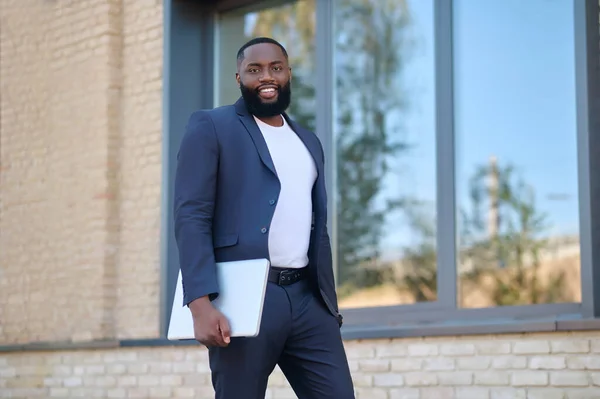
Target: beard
(260, 109)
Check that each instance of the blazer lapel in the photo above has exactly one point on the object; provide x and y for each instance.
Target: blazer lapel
(255, 134)
(309, 142)
(261, 145)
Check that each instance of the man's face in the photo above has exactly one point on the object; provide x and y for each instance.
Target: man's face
(264, 77)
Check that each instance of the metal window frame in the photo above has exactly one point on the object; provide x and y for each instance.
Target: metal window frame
(189, 49)
(187, 44)
(587, 63)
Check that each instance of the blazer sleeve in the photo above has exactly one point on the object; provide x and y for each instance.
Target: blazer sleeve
(194, 203)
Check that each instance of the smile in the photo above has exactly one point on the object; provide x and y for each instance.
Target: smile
(268, 92)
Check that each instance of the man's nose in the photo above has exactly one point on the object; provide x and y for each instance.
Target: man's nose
(266, 76)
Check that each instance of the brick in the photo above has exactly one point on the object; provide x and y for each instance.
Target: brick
(595, 378)
(62, 370)
(545, 393)
(141, 368)
(547, 363)
(59, 392)
(529, 378)
(509, 362)
(171, 380)
(374, 365)
(455, 378)
(360, 380)
(423, 350)
(473, 363)
(52, 382)
(160, 392)
(138, 392)
(508, 393)
(407, 364)
(388, 380)
(184, 367)
(195, 380)
(497, 378)
(116, 369)
(472, 393)
(183, 392)
(527, 347)
(8, 372)
(492, 348)
(390, 350)
(159, 368)
(570, 346)
(420, 379)
(104, 381)
(368, 393)
(148, 380)
(569, 379)
(404, 393)
(457, 349)
(73, 381)
(437, 393)
(437, 364)
(589, 393)
(584, 362)
(595, 345)
(116, 393)
(127, 381)
(359, 352)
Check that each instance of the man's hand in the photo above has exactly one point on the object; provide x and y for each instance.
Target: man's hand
(211, 327)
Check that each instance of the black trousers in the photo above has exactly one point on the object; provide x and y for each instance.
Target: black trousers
(298, 334)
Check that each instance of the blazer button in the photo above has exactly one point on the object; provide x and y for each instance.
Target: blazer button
(263, 230)
(272, 202)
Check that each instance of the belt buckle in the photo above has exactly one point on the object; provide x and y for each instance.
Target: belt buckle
(287, 277)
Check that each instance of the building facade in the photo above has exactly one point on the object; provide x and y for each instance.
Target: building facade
(462, 141)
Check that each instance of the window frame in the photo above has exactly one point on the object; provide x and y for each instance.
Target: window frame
(186, 34)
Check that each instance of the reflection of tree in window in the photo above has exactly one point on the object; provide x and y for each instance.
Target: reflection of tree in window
(508, 255)
(372, 47)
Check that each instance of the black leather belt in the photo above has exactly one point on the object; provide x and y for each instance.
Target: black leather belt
(282, 276)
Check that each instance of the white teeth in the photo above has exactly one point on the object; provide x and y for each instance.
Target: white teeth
(267, 90)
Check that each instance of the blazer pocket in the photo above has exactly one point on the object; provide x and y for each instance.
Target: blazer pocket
(225, 240)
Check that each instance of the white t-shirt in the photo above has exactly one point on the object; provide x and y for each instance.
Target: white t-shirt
(289, 235)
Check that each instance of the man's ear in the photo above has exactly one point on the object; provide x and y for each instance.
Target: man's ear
(237, 78)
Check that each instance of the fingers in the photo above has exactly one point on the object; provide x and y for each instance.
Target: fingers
(219, 333)
(214, 339)
(218, 337)
(225, 330)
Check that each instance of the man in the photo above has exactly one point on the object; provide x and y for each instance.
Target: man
(250, 184)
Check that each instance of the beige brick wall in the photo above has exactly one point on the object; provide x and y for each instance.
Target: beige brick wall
(138, 287)
(537, 366)
(80, 140)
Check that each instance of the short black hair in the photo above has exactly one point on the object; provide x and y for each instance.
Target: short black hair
(259, 40)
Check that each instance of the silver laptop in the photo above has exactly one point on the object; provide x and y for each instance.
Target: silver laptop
(242, 288)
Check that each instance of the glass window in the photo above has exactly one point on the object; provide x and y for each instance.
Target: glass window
(293, 25)
(385, 154)
(516, 162)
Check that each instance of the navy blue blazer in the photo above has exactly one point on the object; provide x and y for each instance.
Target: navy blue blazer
(226, 190)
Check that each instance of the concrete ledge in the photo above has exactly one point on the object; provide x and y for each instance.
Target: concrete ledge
(60, 346)
(456, 328)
